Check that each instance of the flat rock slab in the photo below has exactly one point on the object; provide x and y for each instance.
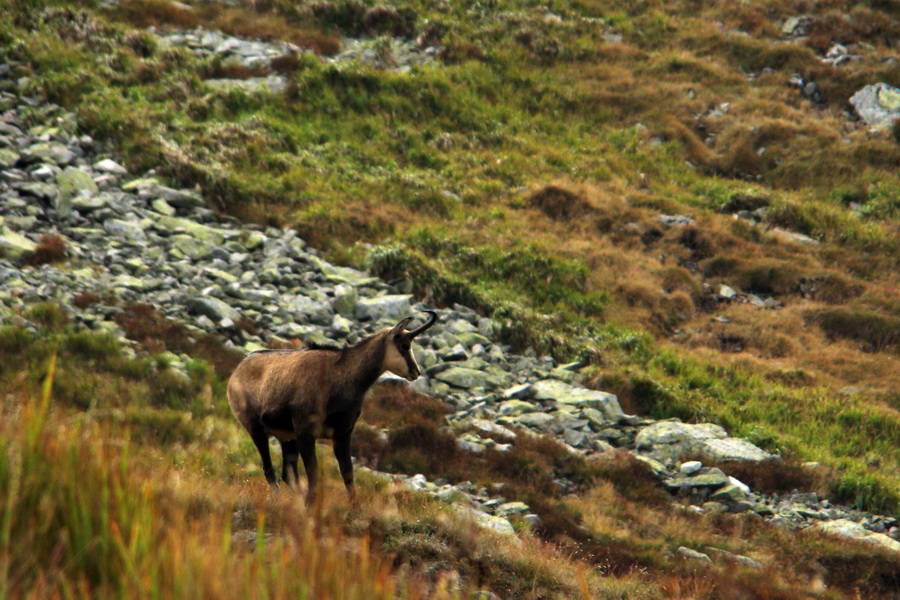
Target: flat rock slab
(563, 393)
(694, 555)
(715, 478)
(732, 449)
(465, 378)
(671, 441)
(197, 230)
(849, 529)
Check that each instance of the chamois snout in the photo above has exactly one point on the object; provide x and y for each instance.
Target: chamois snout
(399, 358)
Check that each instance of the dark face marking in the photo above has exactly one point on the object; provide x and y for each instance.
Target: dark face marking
(403, 363)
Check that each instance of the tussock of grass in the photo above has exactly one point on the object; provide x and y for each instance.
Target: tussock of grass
(50, 249)
(76, 516)
(876, 331)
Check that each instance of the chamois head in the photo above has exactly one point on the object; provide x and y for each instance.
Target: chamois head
(398, 357)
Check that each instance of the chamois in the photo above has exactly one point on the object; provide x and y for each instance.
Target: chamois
(299, 396)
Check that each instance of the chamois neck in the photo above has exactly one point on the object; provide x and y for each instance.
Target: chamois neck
(365, 361)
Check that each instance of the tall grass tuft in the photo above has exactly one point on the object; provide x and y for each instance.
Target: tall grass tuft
(81, 517)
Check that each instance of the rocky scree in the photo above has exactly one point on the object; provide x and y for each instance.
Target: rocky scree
(138, 240)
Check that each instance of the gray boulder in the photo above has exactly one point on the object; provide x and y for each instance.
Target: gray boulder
(729, 449)
(671, 441)
(393, 306)
(72, 183)
(50, 152)
(14, 246)
(8, 158)
(345, 299)
(312, 310)
(578, 397)
(214, 309)
(849, 529)
(465, 378)
(694, 555)
(108, 165)
(878, 105)
(127, 230)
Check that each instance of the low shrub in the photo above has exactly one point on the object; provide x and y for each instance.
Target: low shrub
(157, 334)
(876, 331)
(560, 204)
(50, 249)
(776, 476)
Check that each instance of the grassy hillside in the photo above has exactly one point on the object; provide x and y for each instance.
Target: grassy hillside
(148, 493)
(523, 173)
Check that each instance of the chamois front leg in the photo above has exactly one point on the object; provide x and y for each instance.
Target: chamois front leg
(261, 440)
(306, 443)
(345, 462)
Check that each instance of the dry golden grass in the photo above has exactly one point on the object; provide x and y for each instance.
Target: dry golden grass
(234, 20)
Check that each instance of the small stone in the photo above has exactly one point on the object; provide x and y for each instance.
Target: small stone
(575, 438)
(537, 420)
(714, 478)
(126, 230)
(691, 467)
(416, 483)
(8, 158)
(39, 189)
(191, 247)
(162, 207)
(341, 325)
(514, 408)
(486, 426)
(108, 165)
(563, 393)
(744, 561)
(518, 392)
(454, 354)
(729, 494)
(86, 203)
(512, 508)
(214, 309)
(731, 449)
(345, 299)
(199, 231)
(726, 292)
(129, 282)
(675, 220)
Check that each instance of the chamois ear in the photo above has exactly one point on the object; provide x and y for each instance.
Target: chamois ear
(399, 327)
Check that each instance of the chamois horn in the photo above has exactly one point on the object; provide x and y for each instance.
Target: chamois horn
(431, 321)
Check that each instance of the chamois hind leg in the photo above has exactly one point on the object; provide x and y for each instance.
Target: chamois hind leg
(306, 443)
(289, 456)
(261, 439)
(345, 462)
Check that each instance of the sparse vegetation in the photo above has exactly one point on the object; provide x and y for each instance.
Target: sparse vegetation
(159, 531)
(523, 174)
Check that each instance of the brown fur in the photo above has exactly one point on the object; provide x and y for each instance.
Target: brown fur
(298, 396)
